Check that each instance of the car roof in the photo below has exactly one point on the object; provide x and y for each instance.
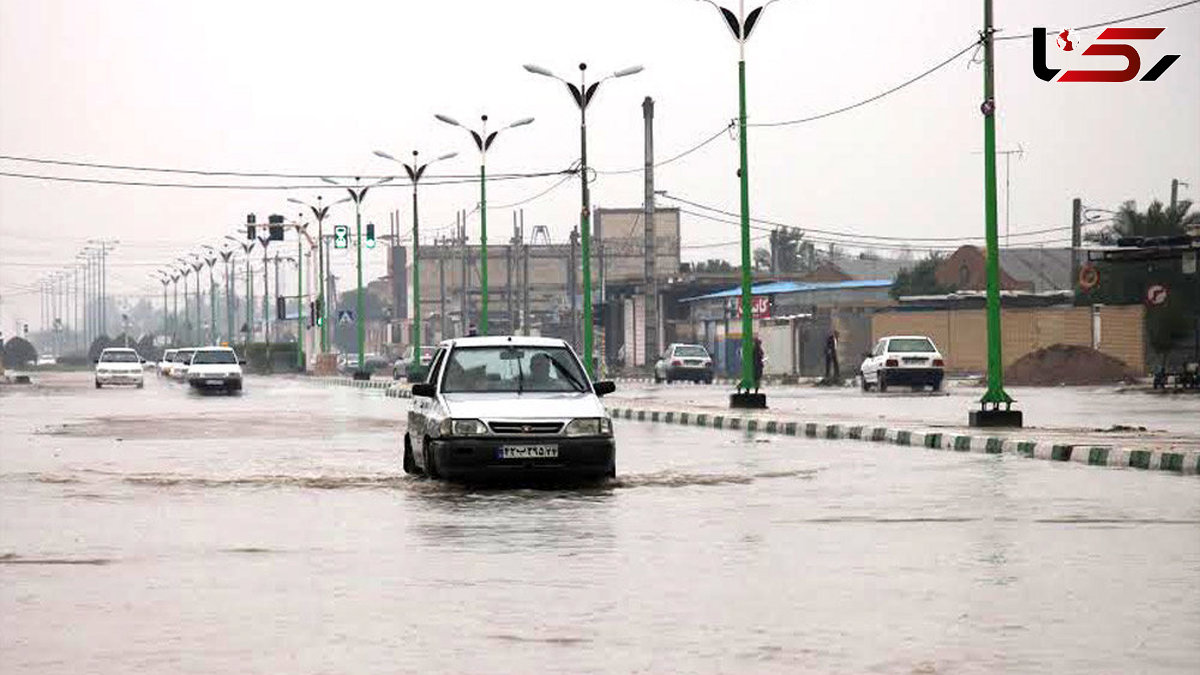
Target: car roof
(687, 344)
(119, 349)
(213, 349)
(504, 341)
(906, 337)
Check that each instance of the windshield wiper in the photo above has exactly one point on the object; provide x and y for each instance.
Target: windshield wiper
(520, 378)
(567, 374)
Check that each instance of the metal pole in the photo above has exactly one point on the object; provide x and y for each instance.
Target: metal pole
(572, 286)
(464, 318)
(585, 228)
(359, 301)
(748, 379)
(484, 287)
(267, 296)
(299, 300)
(995, 394)
(321, 313)
(525, 279)
(212, 303)
(416, 269)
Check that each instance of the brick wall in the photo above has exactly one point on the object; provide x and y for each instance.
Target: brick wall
(961, 334)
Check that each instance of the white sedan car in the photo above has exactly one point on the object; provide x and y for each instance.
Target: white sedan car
(215, 368)
(119, 366)
(509, 407)
(903, 360)
(164, 364)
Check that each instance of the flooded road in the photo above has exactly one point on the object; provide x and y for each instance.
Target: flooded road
(154, 530)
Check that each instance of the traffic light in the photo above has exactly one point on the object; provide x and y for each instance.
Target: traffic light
(312, 314)
(370, 235)
(276, 227)
(250, 219)
(280, 307)
(341, 236)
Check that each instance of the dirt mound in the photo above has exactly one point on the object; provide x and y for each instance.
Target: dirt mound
(1067, 365)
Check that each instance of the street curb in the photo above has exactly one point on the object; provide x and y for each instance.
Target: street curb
(1186, 462)
(650, 380)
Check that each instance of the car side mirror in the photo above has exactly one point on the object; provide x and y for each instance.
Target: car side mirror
(424, 390)
(241, 362)
(866, 355)
(604, 387)
(95, 361)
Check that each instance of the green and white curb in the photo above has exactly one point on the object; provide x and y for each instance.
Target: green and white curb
(1185, 462)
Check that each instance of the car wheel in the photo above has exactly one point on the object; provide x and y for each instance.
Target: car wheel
(708, 380)
(98, 385)
(141, 384)
(657, 379)
(881, 381)
(937, 385)
(670, 381)
(866, 386)
(612, 469)
(430, 463)
(410, 465)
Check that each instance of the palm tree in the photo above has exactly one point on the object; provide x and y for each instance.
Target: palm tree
(1157, 221)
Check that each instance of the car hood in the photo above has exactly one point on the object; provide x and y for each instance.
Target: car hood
(548, 405)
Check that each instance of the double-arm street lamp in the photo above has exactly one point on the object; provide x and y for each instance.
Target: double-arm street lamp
(246, 247)
(415, 171)
(582, 94)
(186, 271)
(483, 141)
(742, 25)
(358, 194)
(320, 212)
(210, 258)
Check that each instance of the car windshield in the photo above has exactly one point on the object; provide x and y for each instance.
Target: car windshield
(119, 357)
(904, 345)
(214, 356)
(183, 356)
(512, 369)
(691, 351)
(168, 355)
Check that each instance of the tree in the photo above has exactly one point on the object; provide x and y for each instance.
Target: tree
(921, 279)
(762, 260)
(713, 266)
(18, 352)
(1157, 221)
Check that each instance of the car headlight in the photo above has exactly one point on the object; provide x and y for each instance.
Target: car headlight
(453, 427)
(589, 426)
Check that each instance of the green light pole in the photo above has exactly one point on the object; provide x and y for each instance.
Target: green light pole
(582, 95)
(990, 414)
(320, 212)
(210, 258)
(742, 25)
(246, 248)
(187, 319)
(483, 141)
(358, 194)
(226, 256)
(415, 171)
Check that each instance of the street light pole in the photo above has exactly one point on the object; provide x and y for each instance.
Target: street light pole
(741, 25)
(186, 272)
(483, 141)
(583, 96)
(415, 171)
(211, 260)
(320, 212)
(358, 194)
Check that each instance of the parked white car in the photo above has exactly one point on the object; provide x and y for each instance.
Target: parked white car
(903, 360)
(179, 366)
(684, 362)
(509, 406)
(164, 363)
(119, 366)
(215, 368)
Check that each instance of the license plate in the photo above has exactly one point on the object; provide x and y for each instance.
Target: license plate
(527, 452)
(214, 382)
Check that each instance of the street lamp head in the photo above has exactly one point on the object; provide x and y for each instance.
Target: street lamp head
(448, 155)
(329, 180)
(538, 70)
(343, 200)
(582, 67)
(296, 201)
(632, 70)
(521, 122)
(380, 153)
(447, 120)
(483, 117)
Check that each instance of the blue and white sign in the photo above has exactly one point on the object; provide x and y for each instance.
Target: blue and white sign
(345, 316)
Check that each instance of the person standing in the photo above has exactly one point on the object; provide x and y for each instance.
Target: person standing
(759, 358)
(831, 356)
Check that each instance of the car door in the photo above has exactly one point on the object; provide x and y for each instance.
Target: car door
(419, 411)
(871, 365)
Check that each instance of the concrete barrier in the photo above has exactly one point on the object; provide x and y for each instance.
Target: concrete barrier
(1183, 462)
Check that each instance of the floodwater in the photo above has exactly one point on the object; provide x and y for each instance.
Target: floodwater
(155, 530)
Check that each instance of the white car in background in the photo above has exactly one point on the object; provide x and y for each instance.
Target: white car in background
(903, 360)
(179, 366)
(215, 368)
(119, 366)
(165, 363)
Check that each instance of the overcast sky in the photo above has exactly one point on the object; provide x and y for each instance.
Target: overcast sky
(314, 87)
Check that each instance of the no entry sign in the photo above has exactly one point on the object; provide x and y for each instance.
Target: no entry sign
(1156, 295)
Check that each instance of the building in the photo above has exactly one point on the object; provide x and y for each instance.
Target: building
(1034, 270)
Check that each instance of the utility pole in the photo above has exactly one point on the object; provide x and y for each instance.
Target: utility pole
(508, 272)
(442, 284)
(1175, 183)
(462, 243)
(572, 291)
(525, 279)
(990, 414)
(649, 237)
(1076, 238)
(265, 241)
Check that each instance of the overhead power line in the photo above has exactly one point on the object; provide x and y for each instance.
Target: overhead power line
(1134, 17)
(213, 186)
